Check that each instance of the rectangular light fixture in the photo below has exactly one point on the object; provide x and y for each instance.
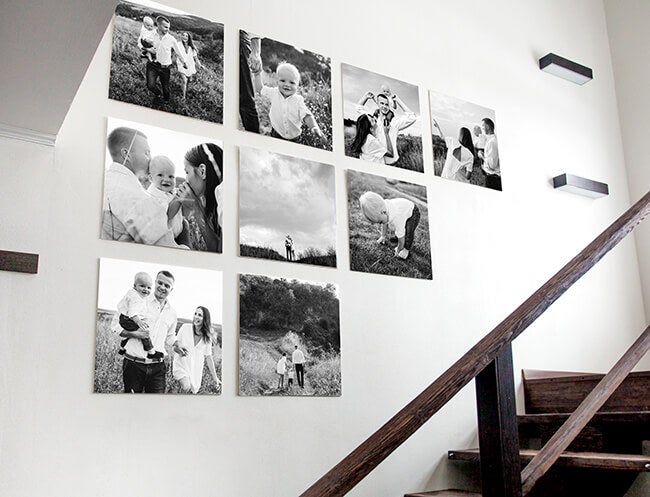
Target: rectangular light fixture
(581, 186)
(565, 68)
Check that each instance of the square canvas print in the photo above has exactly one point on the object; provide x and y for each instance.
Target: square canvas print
(287, 208)
(289, 337)
(381, 118)
(168, 60)
(464, 141)
(389, 226)
(162, 188)
(284, 91)
(158, 328)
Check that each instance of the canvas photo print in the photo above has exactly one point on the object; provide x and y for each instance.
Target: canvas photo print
(168, 60)
(381, 118)
(389, 226)
(284, 91)
(289, 337)
(287, 208)
(158, 329)
(465, 145)
(162, 188)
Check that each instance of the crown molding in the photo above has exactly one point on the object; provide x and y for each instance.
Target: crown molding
(28, 135)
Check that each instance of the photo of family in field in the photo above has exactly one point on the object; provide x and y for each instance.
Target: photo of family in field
(284, 91)
(166, 59)
(381, 118)
(389, 226)
(162, 188)
(158, 329)
(287, 208)
(289, 337)
(465, 145)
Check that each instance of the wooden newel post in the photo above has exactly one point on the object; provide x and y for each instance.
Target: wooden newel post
(497, 428)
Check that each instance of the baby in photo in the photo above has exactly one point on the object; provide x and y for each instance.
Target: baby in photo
(145, 40)
(397, 214)
(288, 110)
(162, 175)
(132, 308)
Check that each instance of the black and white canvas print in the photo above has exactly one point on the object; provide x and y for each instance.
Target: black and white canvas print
(389, 226)
(381, 118)
(166, 59)
(464, 141)
(284, 91)
(162, 188)
(289, 337)
(287, 208)
(158, 329)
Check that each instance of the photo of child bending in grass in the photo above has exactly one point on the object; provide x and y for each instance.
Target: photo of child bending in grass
(389, 226)
(284, 91)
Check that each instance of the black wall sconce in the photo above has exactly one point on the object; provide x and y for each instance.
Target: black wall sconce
(581, 186)
(565, 68)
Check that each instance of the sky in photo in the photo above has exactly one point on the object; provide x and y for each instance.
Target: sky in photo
(192, 287)
(452, 113)
(357, 81)
(280, 195)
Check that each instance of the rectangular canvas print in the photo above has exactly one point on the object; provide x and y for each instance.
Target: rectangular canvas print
(162, 188)
(287, 208)
(289, 337)
(389, 226)
(284, 91)
(158, 328)
(464, 142)
(381, 118)
(168, 60)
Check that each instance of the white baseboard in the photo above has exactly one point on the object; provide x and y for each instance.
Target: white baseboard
(28, 135)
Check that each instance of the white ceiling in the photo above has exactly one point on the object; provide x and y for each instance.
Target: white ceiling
(46, 48)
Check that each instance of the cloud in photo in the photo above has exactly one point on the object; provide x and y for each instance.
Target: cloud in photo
(452, 113)
(280, 195)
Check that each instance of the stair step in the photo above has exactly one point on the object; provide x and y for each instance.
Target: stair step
(445, 493)
(599, 460)
(600, 418)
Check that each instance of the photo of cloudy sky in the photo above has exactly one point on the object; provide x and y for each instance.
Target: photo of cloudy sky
(287, 208)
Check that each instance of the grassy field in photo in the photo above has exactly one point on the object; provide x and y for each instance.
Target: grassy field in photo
(108, 363)
(409, 148)
(310, 255)
(128, 73)
(366, 254)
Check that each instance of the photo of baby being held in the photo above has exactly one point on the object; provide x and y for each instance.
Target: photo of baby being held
(284, 91)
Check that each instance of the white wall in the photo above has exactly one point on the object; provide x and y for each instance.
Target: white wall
(490, 251)
(627, 23)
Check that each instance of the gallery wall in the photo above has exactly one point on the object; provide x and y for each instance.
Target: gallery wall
(490, 250)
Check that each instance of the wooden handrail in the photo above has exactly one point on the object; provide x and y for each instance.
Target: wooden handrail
(572, 427)
(362, 460)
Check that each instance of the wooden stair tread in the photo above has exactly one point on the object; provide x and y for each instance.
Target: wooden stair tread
(600, 460)
(627, 417)
(445, 493)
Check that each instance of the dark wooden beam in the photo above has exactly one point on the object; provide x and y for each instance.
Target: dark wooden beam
(19, 262)
(497, 428)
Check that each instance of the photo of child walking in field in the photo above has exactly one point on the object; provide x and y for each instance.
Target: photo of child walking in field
(155, 60)
(285, 92)
(389, 226)
(288, 329)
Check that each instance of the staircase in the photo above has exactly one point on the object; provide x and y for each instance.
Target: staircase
(607, 455)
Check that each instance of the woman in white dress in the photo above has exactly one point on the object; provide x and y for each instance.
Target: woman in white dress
(365, 145)
(191, 59)
(460, 155)
(195, 344)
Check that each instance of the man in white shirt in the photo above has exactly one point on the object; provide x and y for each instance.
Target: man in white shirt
(298, 360)
(386, 130)
(160, 68)
(130, 214)
(490, 156)
(140, 373)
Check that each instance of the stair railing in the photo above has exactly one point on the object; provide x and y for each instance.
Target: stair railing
(494, 350)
